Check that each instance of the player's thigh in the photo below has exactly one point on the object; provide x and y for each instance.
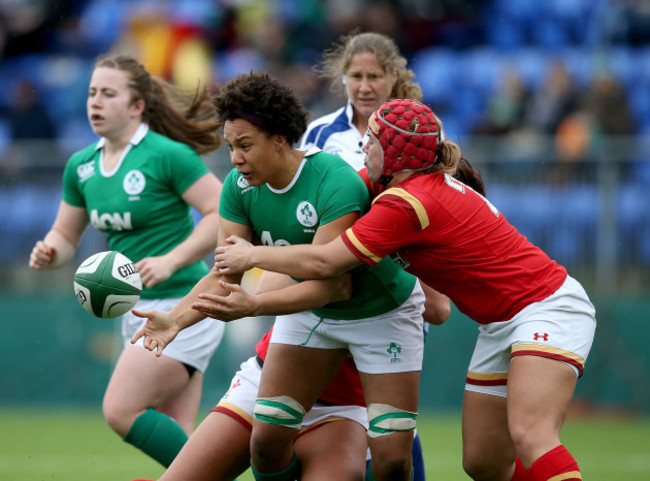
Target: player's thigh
(539, 395)
(399, 389)
(299, 372)
(218, 449)
(335, 450)
(486, 439)
(141, 380)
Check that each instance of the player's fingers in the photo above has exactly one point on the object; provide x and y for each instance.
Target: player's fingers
(135, 337)
(140, 313)
(230, 287)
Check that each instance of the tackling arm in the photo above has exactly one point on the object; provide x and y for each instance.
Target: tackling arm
(305, 261)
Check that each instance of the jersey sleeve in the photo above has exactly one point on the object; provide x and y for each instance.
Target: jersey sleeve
(185, 167)
(71, 193)
(395, 217)
(344, 192)
(374, 188)
(231, 201)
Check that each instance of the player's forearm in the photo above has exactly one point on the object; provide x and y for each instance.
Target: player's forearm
(302, 261)
(183, 313)
(296, 298)
(198, 245)
(64, 248)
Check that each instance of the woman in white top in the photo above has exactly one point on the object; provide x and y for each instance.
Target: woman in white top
(368, 69)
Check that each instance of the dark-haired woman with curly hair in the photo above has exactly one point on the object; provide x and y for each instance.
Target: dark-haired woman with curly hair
(279, 196)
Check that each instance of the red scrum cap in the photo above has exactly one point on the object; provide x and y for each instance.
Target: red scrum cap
(408, 135)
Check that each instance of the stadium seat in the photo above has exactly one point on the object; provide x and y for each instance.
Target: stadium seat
(532, 65)
(505, 34)
(550, 35)
(436, 72)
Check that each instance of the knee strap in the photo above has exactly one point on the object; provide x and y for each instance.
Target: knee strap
(280, 410)
(384, 419)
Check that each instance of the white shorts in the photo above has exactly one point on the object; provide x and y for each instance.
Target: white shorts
(561, 327)
(239, 402)
(389, 343)
(193, 346)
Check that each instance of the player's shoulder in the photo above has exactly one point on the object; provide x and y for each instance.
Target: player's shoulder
(156, 141)
(319, 130)
(325, 162)
(407, 194)
(337, 116)
(84, 155)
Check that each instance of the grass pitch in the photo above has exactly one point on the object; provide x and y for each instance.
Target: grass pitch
(39, 445)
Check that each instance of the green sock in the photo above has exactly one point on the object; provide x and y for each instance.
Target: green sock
(289, 473)
(157, 435)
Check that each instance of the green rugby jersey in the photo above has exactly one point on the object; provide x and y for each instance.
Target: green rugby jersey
(324, 188)
(139, 205)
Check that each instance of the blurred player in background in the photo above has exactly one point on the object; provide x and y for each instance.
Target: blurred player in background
(537, 323)
(282, 195)
(137, 184)
(370, 70)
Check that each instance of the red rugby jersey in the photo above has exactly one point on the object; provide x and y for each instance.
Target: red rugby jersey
(455, 241)
(345, 389)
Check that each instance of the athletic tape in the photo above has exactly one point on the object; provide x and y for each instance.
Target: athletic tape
(280, 410)
(384, 419)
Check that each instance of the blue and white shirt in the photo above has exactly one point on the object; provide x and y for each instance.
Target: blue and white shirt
(336, 134)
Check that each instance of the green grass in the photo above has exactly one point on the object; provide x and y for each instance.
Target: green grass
(78, 446)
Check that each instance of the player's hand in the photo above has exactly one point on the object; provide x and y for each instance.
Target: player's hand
(42, 256)
(343, 290)
(154, 270)
(159, 330)
(237, 304)
(233, 258)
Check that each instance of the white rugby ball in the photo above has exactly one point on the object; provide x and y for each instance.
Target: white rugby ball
(107, 284)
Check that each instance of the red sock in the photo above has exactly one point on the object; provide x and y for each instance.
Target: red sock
(520, 473)
(557, 464)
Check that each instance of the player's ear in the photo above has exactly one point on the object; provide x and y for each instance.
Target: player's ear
(279, 141)
(138, 107)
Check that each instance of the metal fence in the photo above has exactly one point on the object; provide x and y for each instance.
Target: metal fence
(592, 214)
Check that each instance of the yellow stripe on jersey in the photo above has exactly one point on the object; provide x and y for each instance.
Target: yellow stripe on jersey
(481, 376)
(375, 258)
(551, 350)
(419, 209)
(569, 475)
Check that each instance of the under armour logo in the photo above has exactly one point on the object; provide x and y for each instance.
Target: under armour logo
(543, 337)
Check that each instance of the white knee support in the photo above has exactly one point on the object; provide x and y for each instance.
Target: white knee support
(384, 419)
(280, 410)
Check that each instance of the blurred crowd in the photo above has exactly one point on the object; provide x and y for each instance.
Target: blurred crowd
(575, 71)
(488, 67)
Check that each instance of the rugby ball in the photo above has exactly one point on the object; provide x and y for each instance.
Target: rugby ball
(107, 284)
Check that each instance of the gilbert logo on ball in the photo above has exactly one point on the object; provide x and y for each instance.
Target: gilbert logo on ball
(107, 284)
